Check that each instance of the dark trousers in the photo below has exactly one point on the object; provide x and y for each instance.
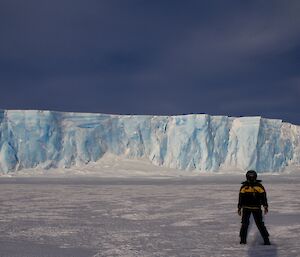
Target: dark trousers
(258, 218)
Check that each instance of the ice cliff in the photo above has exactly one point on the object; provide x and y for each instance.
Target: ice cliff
(48, 139)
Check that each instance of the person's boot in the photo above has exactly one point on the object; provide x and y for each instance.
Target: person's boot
(243, 241)
(267, 241)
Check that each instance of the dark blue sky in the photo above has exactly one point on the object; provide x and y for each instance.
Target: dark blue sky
(235, 58)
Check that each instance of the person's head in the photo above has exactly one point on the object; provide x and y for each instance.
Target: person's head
(251, 175)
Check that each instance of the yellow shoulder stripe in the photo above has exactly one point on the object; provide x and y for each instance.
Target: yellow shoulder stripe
(249, 189)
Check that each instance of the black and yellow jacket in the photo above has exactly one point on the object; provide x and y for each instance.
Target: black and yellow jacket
(252, 195)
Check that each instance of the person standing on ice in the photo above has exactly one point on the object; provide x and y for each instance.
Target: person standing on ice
(251, 197)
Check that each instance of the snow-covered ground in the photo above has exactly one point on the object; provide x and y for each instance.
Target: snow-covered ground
(130, 208)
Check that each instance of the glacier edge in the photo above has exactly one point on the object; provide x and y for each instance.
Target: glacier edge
(47, 139)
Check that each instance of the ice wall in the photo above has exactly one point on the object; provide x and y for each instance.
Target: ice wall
(47, 139)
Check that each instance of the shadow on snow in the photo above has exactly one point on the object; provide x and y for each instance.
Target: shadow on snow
(257, 249)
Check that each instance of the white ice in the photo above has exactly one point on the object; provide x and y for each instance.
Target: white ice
(200, 142)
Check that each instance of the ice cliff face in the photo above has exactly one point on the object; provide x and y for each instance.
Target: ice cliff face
(209, 143)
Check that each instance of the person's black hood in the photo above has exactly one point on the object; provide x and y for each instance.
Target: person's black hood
(251, 183)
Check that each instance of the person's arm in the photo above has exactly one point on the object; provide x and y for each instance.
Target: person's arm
(264, 201)
(240, 203)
